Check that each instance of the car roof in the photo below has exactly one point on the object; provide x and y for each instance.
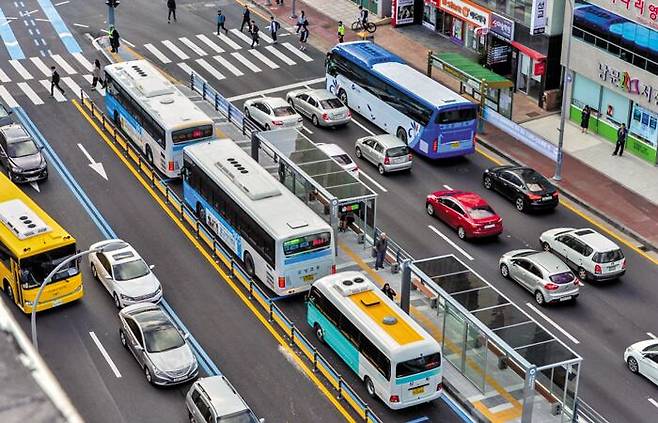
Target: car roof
(389, 141)
(274, 101)
(548, 262)
(150, 318)
(331, 149)
(468, 199)
(222, 395)
(594, 239)
(15, 132)
(321, 94)
(119, 251)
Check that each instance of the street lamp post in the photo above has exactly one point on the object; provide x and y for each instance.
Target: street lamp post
(565, 111)
(43, 285)
(111, 5)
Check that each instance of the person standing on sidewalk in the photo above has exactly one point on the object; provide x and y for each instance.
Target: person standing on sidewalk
(171, 5)
(96, 74)
(253, 30)
(246, 18)
(300, 21)
(341, 32)
(221, 20)
(381, 245)
(622, 132)
(584, 119)
(114, 39)
(54, 81)
(303, 36)
(274, 27)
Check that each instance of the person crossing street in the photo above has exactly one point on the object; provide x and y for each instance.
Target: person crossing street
(246, 18)
(253, 29)
(221, 21)
(274, 27)
(54, 81)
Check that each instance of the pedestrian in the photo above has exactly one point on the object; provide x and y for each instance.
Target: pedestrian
(279, 2)
(363, 16)
(221, 20)
(54, 81)
(584, 119)
(381, 245)
(274, 27)
(622, 132)
(96, 74)
(114, 39)
(388, 291)
(171, 5)
(246, 18)
(300, 21)
(253, 30)
(341, 32)
(303, 36)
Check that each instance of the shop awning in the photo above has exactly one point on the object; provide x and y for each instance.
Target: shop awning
(472, 70)
(533, 54)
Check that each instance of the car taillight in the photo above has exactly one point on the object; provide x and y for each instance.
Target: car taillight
(435, 145)
(394, 398)
(333, 269)
(325, 116)
(349, 114)
(623, 264)
(597, 269)
(556, 193)
(282, 282)
(277, 122)
(411, 157)
(534, 197)
(171, 166)
(439, 387)
(551, 286)
(387, 160)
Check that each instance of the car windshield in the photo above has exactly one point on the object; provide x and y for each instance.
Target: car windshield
(22, 148)
(482, 212)
(397, 151)
(342, 159)
(608, 256)
(162, 337)
(331, 103)
(417, 365)
(130, 270)
(35, 269)
(283, 111)
(244, 416)
(562, 278)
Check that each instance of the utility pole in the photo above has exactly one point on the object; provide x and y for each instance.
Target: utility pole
(293, 14)
(565, 106)
(111, 5)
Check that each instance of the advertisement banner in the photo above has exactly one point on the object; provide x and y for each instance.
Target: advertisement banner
(403, 12)
(467, 11)
(644, 123)
(502, 27)
(538, 17)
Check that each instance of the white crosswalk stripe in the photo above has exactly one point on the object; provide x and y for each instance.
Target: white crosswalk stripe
(235, 71)
(58, 96)
(246, 62)
(192, 46)
(99, 88)
(29, 92)
(178, 52)
(264, 59)
(207, 41)
(285, 59)
(211, 70)
(266, 37)
(229, 42)
(64, 64)
(20, 69)
(41, 66)
(72, 85)
(240, 35)
(7, 98)
(157, 53)
(83, 61)
(3, 77)
(186, 68)
(297, 53)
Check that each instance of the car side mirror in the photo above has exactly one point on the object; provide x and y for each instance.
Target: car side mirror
(139, 348)
(151, 266)
(261, 420)
(3, 154)
(186, 336)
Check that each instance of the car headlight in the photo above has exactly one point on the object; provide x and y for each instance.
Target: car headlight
(158, 290)
(158, 372)
(126, 297)
(16, 169)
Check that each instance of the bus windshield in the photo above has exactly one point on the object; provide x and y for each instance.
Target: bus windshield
(456, 116)
(306, 243)
(417, 365)
(35, 269)
(189, 134)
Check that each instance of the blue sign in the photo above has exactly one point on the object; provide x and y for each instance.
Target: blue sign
(502, 26)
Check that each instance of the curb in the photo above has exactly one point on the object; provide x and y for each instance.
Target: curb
(464, 403)
(97, 45)
(648, 245)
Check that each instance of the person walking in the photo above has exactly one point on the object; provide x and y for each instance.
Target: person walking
(584, 119)
(171, 5)
(303, 36)
(96, 74)
(114, 39)
(221, 21)
(388, 291)
(341, 32)
(274, 27)
(381, 245)
(246, 18)
(253, 30)
(300, 21)
(54, 81)
(622, 132)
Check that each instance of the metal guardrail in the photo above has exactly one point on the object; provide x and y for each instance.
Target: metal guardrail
(220, 254)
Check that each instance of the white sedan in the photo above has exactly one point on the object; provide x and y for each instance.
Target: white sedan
(124, 274)
(642, 358)
(341, 157)
(272, 113)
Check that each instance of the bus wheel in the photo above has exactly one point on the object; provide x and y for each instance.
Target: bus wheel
(117, 121)
(249, 264)
(149, 155)
(370, 387)
(10, 294)
(342, 96)
(319, 333)
(402, 134)
(200, 212)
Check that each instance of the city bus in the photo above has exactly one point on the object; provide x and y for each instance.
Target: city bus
(155, 115)
(398, 361)
(430, 118)
(280, 240)
(32, 244)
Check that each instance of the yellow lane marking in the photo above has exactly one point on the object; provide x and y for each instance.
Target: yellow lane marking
(309, 373)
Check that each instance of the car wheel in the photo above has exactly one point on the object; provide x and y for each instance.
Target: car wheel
(291, 102)
(381, 169)
(319, 333)
(267, 126)
(632, 365)
(249, 264)
(402, 134)
(117, 303)
(539, 298)
(190, 416)
(315, 120)
(122, 337)
(147, 373)
(342, 96)
(520, 204)
(461, 233)
(370, 387)
(94, 272)
(246, 113)
(546, 247)
(582, 274)
(430, 209)
(487, 182)
(504, 270)
(358, 153)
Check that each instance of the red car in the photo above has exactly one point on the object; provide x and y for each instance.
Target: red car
(466, 212)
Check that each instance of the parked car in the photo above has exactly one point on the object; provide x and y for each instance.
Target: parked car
(6, 115)
(213, 399)
(588, 252)
(159, 348)
(272, 113)
(387, 152)
(124, 274)
(21, 156)
(642, 358)
(543, 274)
(523, 185)
(322, 107)
(341, 157)
(466, 212)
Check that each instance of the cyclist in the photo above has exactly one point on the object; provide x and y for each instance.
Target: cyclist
(363, 16)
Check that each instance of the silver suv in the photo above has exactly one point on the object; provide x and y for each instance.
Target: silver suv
(387, 152)
(21, 156)
(213, 399)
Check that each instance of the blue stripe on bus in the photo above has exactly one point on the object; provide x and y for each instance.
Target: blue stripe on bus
(60, 27)
(308, 256)
(334, 338)
(417, 376)
(113, 105)
(9, 38)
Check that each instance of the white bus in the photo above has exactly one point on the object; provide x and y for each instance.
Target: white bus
(398, 361)
(155, 115)
(280, 240)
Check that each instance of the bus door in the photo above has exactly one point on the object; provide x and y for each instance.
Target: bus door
(18, 292)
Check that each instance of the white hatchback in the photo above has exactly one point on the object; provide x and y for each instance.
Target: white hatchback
(272, 113)
(642, 358)
(124, 274)
(341, 157)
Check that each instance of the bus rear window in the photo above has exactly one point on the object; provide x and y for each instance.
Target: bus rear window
(190, 134)
(456, 116)
(418, 365)
(306, 243)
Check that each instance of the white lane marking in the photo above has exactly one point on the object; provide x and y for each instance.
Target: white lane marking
(297, 53)
(41, 66)
(246, 62)
(123, 40)
(105, 355)
(157, 53)
(9, 100)
(555, 325)
(80, 25)
(193, 46)
(29, 92)
(35, 186)
(62, 2)
(99, 88)
(264, 59)
(20, 69)
(58, 96)
(447, 187)
(285, 59)
(207, 41)
(3, 77)
(186, 68)
(449, 241)
(362, 126)
(276, 89)
(96, 166)
(372, 181)
(83, 61)
(235, 71)
(266, 37)
(307, 130)
(228, 41)
(64, 64)
(72, 85)
(653, 401)
(240, 35)
(178, 52)
(211, 70)
(651, 335)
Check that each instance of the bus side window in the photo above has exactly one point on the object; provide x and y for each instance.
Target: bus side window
(5, 257)
(376, 358)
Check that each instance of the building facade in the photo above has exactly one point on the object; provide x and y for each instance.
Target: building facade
(614, 60)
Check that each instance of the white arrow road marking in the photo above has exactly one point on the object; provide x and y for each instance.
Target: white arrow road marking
(97, 166)
(104, 353)
(35, 186)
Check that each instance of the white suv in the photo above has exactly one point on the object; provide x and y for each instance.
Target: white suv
(588, 252)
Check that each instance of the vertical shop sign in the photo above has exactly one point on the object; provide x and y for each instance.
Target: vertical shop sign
(538, 17)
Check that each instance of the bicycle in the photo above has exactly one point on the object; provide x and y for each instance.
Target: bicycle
(358, 25)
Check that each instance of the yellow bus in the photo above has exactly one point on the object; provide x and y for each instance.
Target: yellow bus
(32, 244)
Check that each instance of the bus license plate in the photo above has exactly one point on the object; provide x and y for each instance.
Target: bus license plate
(309, 278)
(454, 144)
(418, 391)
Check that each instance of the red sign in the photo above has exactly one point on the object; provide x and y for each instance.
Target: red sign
(540, 68)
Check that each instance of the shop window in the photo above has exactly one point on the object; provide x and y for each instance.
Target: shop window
(614, 107)
(585, 92)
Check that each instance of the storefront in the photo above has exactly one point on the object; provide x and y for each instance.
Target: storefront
(463, 22)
